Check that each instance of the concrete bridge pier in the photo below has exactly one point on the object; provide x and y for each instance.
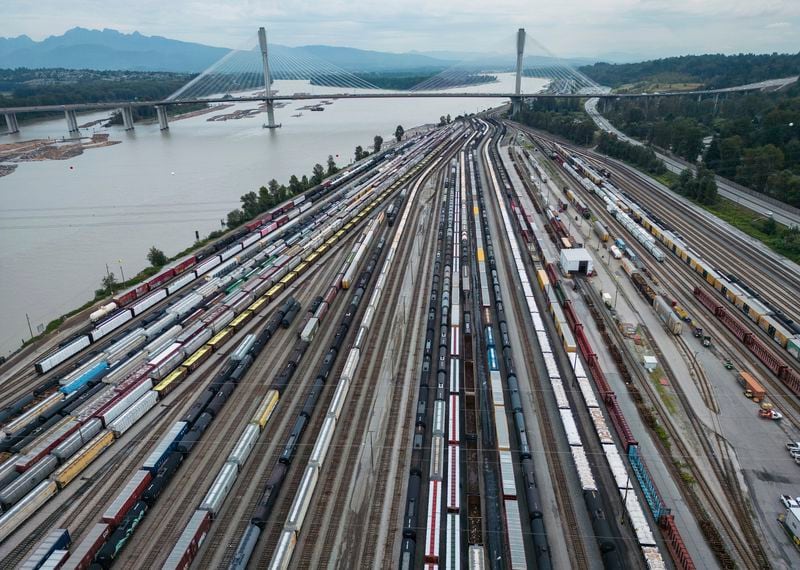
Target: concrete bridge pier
(11, 123)
(127, 118)
(161, 111)
(72, 120)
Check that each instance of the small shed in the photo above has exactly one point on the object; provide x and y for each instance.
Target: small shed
(650, 362)
(576, 260)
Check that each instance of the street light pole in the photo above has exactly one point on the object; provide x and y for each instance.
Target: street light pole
(122, 273)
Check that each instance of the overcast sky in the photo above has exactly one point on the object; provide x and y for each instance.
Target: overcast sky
(591, 28)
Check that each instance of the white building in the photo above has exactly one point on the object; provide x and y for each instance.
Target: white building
(576, 260)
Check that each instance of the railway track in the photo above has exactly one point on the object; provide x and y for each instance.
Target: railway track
(746, 534)
(330, 509)
(81, 508)
(578, 554)
(163, 523)
(782, 288)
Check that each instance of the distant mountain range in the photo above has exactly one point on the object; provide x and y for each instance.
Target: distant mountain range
(108, 49)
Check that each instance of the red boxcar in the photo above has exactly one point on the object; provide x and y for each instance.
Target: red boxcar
(127, 497)
(83, 554)
(124, 298)
(185, 264)
(160, 279)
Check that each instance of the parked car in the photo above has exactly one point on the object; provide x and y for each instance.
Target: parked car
(788, 501)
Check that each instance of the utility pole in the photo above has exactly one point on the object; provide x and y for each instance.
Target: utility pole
(122, 273)
(30, 329)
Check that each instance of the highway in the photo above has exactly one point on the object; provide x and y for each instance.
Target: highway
(762, 205)
(388, 371)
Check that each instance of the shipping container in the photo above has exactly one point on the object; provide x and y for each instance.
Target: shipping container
(83, 553)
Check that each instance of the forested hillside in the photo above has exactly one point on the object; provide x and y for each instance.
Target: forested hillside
(710, 71)
(755, 137)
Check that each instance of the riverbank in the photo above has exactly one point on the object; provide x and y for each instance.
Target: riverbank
(49, 149)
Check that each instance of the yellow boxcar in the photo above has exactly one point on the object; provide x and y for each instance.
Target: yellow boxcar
(260, 302)
(312, 258)
(274, 291)
(83, 459)
(265, 409)
(481, 256)
(541, 276)
(288, 278)
(330, 241)
(196, 359)
(171, 381)
(242, 319)
(300, 269)
(220, 338)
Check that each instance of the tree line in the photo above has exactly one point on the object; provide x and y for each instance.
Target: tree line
(712, 71)
(563, 117)
(752, 139)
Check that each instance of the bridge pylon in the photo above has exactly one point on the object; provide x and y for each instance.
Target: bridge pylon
(516, 101)
(262, 42)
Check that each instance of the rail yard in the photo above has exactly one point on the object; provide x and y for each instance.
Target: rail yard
(479, 348)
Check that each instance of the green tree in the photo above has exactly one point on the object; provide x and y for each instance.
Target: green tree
(250, 205)
(109, 282)
(757, 164)
(442, 121)
(730, 155)
(295, 187)
(448, 118)
(305, 183)
(770, 226)
(399, 132)
(360, 153)
(235, 218)
(377, 143)
(318, 173)
(156, 257)
(332, 169)
(273, 186)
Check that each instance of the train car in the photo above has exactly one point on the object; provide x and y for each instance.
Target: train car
(192, 537)
(127, 497)
(88, 453)
(24, 509)
(62, 354)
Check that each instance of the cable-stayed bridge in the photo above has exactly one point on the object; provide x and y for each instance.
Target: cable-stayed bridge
(267, 73)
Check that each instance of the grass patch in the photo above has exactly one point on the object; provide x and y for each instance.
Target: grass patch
(661, 432)
(669, 401)
(667, 179)
(782, 240)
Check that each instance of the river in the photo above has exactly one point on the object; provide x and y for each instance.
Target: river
(63, 222)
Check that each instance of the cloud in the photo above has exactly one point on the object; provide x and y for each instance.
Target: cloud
(567, 27)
